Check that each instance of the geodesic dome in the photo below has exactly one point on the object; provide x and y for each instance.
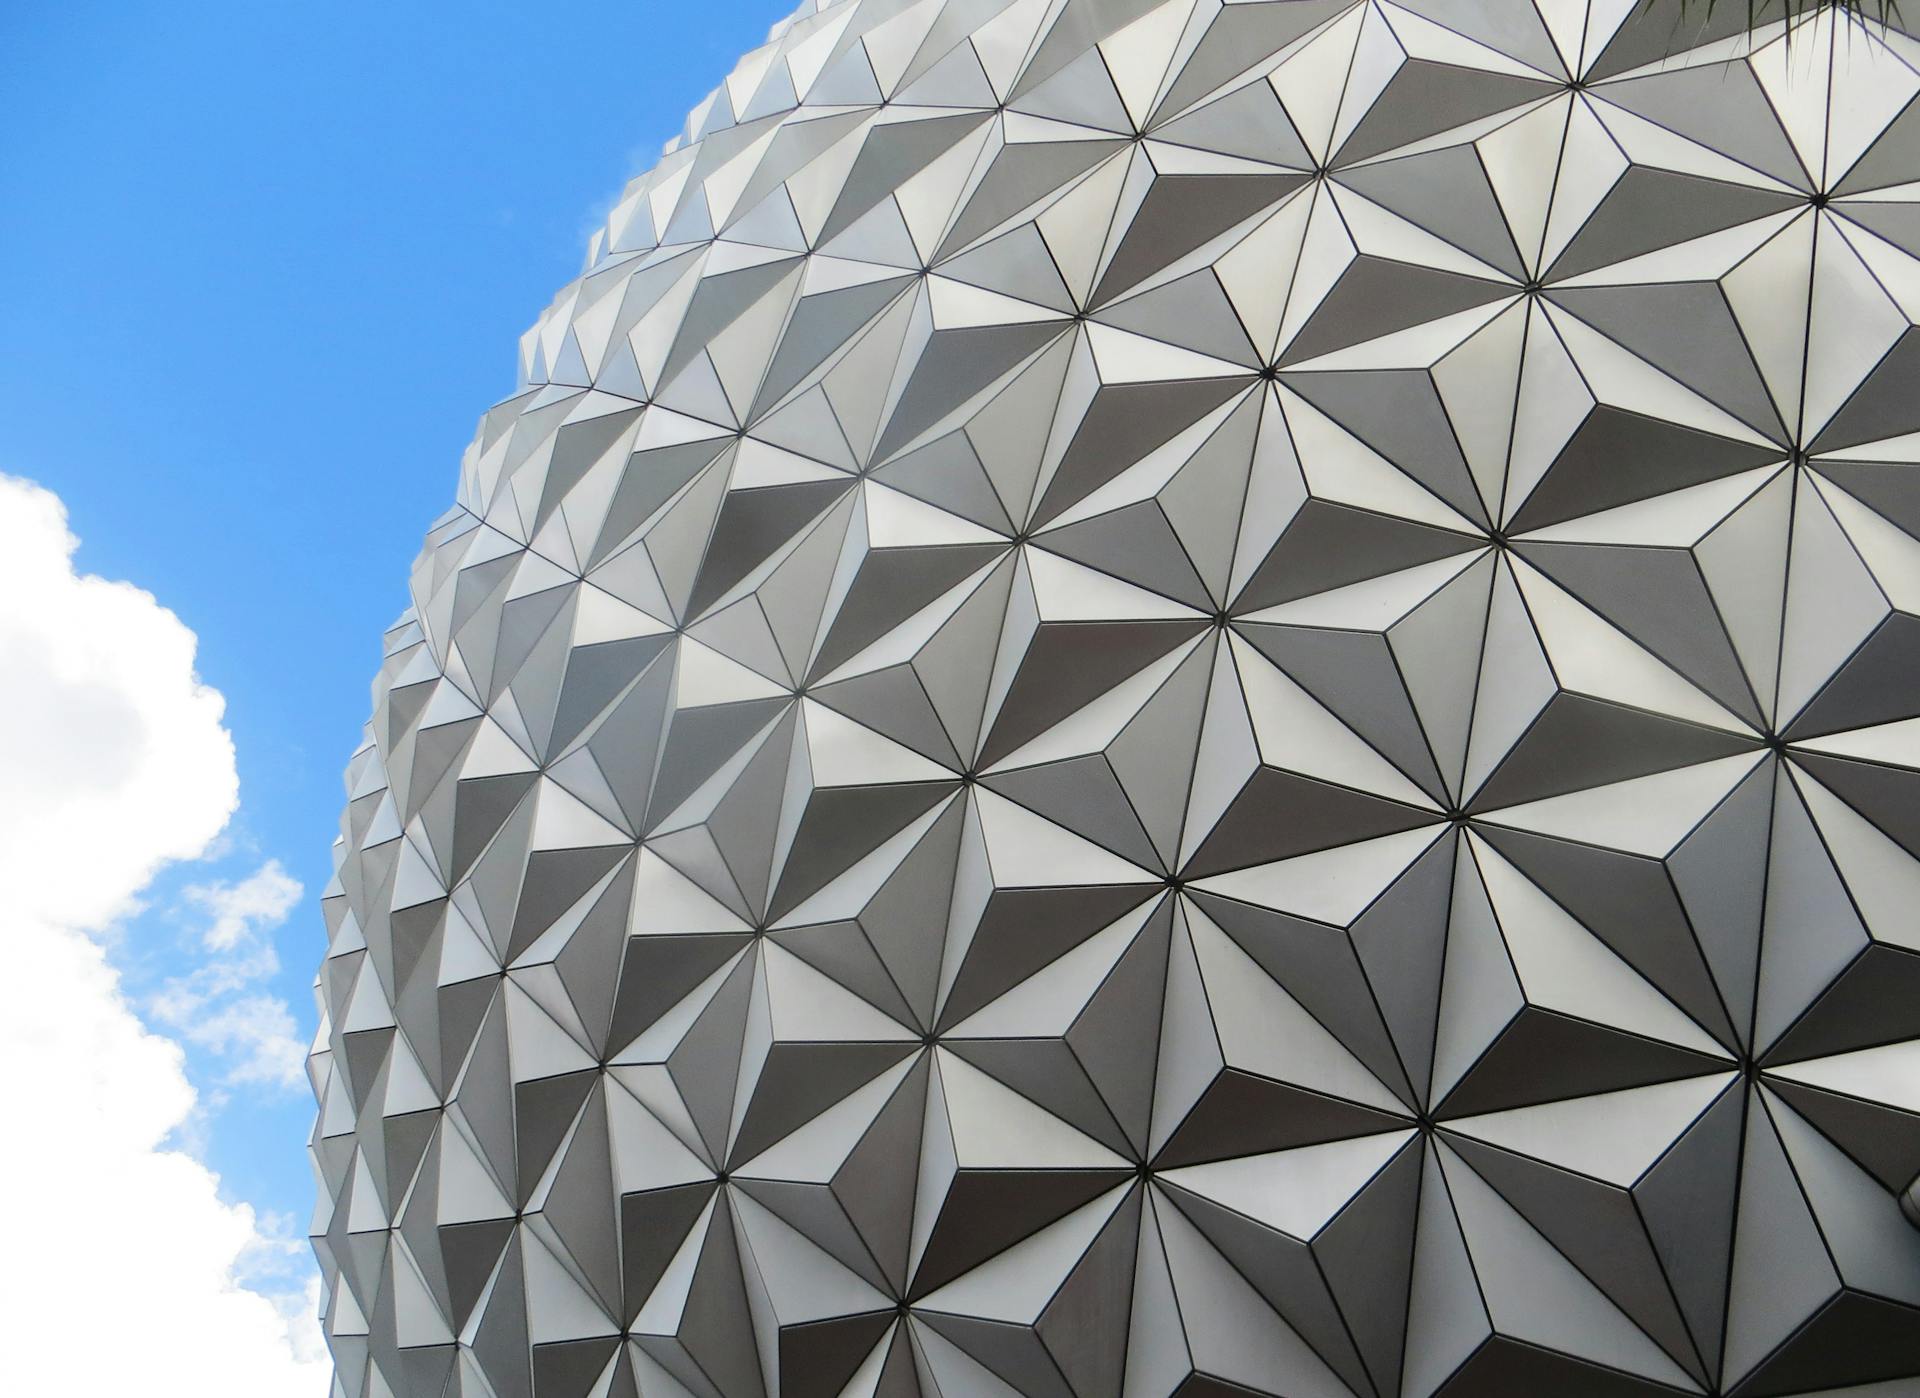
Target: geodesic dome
(1191, 698)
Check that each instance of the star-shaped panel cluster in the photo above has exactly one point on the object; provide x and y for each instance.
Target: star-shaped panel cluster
(1170, 698)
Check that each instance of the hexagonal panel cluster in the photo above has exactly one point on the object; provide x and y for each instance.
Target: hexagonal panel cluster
(1170, 698)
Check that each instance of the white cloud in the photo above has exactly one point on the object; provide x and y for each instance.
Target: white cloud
(242, 911)
(258, 1034)
(124, 1269)
(254, 1032)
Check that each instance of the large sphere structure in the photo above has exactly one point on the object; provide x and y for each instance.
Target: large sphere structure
(1204, 698)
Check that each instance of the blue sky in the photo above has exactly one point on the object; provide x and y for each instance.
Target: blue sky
(265, 266)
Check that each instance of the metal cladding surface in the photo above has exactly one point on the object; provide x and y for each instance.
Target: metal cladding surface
(1185, 698)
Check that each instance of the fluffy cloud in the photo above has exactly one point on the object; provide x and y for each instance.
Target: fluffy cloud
(255, 1033)
(124, 1269)
(215, 1006)
(242, 911)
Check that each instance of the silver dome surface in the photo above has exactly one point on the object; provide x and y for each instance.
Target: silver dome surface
(1193, 698)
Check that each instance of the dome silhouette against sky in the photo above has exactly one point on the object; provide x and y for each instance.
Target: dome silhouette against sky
(1208, 698)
